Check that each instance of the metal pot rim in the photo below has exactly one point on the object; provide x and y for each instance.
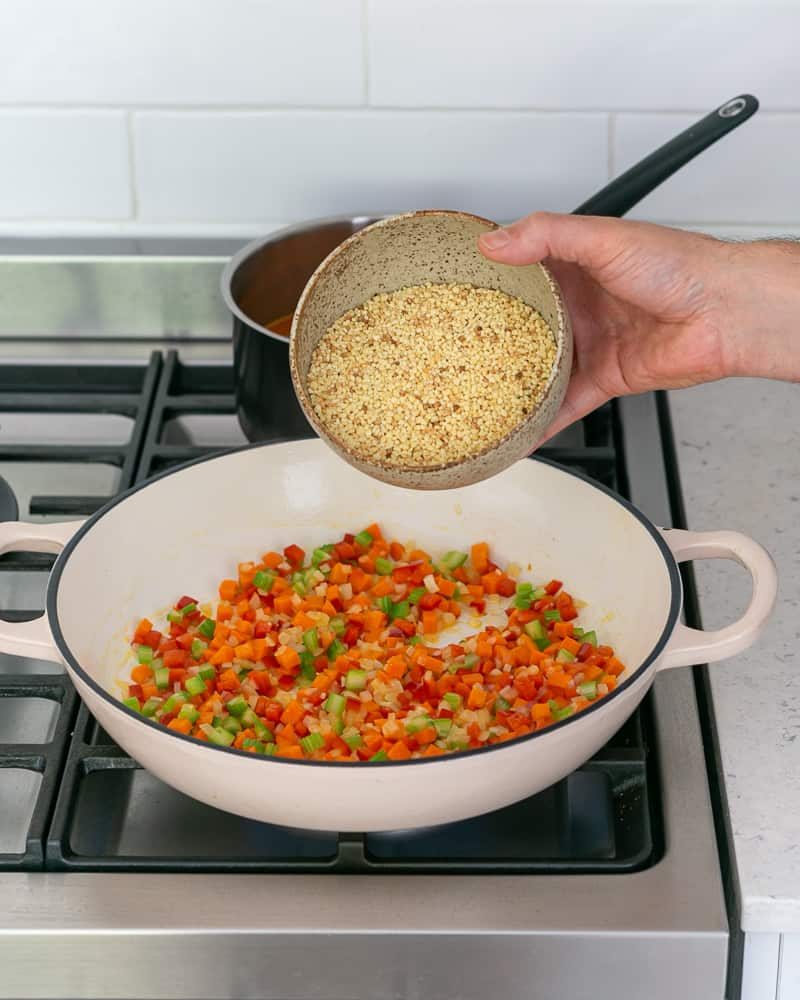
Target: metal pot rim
(246, 252)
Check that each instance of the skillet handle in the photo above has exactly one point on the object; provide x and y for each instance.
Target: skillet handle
(690, 646)
(32, 638)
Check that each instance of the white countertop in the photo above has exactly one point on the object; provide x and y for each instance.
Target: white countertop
(739, 451)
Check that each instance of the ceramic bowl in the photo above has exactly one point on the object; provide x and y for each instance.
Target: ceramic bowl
(415, 249)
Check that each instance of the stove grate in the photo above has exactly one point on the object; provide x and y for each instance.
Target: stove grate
(37, 702)
(112, 815)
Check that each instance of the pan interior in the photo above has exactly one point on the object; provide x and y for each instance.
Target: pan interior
(183, 533)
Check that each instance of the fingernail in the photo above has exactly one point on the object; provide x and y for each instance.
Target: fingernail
(496, 239)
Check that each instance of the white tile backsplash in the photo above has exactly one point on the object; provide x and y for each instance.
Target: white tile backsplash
(191, 115)
(602, 55)
(300, 164)
(182, 52)
(750, 176)
(64, 165)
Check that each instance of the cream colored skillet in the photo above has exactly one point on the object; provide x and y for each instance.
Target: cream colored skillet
(185, 530)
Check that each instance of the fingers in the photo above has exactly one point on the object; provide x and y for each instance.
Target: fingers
(582, 397)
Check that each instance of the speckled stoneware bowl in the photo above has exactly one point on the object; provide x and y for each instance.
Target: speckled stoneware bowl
(414, 249)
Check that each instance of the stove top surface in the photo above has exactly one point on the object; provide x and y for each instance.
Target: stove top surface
(78, 435)
(616, 865)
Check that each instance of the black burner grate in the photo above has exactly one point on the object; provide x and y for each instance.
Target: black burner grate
(37, 701)
(113, 815)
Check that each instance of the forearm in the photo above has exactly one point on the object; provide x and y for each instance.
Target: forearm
(760, 310)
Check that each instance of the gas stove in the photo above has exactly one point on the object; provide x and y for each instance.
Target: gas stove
(112, 884)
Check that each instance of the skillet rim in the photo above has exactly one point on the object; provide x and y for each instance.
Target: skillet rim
(51, 610)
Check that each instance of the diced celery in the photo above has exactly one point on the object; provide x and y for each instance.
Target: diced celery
(150, 706)
(237, 705)
(334, 703)
(311, 641)
(312, 742)
(307, 669)
(144, 654)
(588, 689)
(536, 630)
(174, 702)
(189, 712)
(336, 648)
(442, 727)
(453, 700)
(417, 724)
(453, 559)
(207, 627)
(263, 732)
(564, 656)
(161, 675)
(207, 673)
(364, 539)
(221, 737)
(132, 703)
(416, 594)
(356, 680)
(263, 580)
(383, 566)
(195, 685)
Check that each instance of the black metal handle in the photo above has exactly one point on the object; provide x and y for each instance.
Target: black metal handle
(629, 188)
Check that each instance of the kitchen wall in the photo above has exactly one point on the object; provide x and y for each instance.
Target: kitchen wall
(231, 117)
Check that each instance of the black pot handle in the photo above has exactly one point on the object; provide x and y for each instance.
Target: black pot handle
(629, 188)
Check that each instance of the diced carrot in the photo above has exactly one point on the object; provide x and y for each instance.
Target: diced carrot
(228, 680)
(224, 654)
(446, 587)
(228, 589)
(284, 603)
(384, 586)
(570, 645)
(141, 673)
(399, 751)
(563, 629)
(396, 551)
(245, 651)
(180, 725)
(477, 696)
(615, 667)
(559, 679)
(338, 573)
(433, 751)
(426, 736)
(292, 750)
(293, 713)
(396, 667)
(430, 622)
(479, 556)
(287, 658)
(149, 691)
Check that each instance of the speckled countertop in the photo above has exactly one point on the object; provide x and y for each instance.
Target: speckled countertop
(739, 451)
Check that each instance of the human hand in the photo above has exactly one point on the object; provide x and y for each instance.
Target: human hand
(659, 308)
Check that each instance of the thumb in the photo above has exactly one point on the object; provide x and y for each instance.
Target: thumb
(589, 241)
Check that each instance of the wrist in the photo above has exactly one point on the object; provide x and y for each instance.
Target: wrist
(761, 311)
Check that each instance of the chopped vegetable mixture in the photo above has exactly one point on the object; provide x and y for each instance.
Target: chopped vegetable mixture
(331, 655)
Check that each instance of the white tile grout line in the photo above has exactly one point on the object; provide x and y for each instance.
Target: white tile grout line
(132, 180)
(780, 964)
(261, 108)
(365, 48)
